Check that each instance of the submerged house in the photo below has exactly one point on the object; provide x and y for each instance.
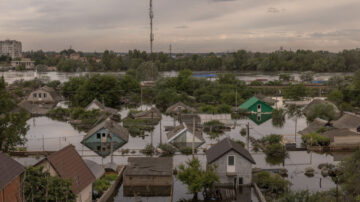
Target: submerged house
(182, 136)
(41, 101)
(153, 113)
(148, 176)
(10, 179)
(180, 107)
(233, 163)
(316, 126)
(68, 164)
(255, 105)
(260, 118)
(97, 105)
(348, 120)
(106, 137)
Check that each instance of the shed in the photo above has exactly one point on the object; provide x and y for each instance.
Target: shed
(10, 179)
(68, 164)
(106, 137)
(233, 162)
(182, 136)
(180, 107)
(256, 106)
(148, 176)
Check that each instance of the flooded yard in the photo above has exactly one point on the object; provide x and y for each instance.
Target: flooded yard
(48, 134)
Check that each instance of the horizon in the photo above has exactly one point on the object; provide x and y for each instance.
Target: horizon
(191, 27)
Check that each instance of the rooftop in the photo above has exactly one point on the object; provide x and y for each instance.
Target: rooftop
(149, 166)
(9, 170)
(112, 126)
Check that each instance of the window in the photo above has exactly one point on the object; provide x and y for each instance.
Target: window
(103, 149)
(231, 160)
(259, 117)
(98, 136)
(34, 95)
(98, 148)
(44, 94)
(103, 135)
(241, 181)
(259, 106)
(39, 95)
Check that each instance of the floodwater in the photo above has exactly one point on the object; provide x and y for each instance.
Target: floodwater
(48, 134)
(11, 76)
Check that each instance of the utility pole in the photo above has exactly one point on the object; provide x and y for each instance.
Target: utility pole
(160, 133)
(151, 14)
(236, 95)
(193, 142)
(248, 136)
(111, 148)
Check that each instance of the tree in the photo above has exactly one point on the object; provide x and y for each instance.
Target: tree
(278, 118)
(336, 96)
(40, 186)
(295, 112)
(307, 76)
(294, 92)
(322, 110)
(350, 178)
(195, 178)
(284, 77)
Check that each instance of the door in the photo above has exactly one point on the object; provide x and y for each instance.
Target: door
(231, 164)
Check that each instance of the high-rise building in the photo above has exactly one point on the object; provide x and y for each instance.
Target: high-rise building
(11, 48)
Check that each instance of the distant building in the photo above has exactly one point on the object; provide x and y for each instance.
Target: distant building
(10, 179)
(153, 113)
(27, 62)
(106, 137)
(182, 136)
(233, 163)
(68, 164)
(255, 105)
(11, 48)
(148, 176)
(97, 105)
(180, 107)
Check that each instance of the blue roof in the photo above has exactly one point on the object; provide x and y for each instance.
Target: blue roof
(204, 75)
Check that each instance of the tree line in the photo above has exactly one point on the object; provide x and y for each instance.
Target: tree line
(282, 60)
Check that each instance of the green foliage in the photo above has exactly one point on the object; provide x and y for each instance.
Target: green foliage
(101, 185)
(38, 184)
(336, 97)
(243, 132)
(167, 150)
(273, 184)
(137, 127)
(294, 91)
(54, 84)
(195, 178)
(214, 128)
(149, 150)
(307, 196)
(278, 117)
(350, 177)
(284, 77)
(186, 150)
(314, 139)
(67, 65)
(307, 76)
(273, 139)
(322, 110)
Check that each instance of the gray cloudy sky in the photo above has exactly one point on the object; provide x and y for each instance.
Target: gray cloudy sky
(190, 25)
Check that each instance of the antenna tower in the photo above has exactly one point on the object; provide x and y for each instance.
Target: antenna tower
(151, 14)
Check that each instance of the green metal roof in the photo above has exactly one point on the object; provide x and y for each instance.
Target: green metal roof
(249, 103)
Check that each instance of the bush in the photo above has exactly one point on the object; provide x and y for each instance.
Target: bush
(101, 185)
(214, 128)
(137, 127)
(314, 139)
(273, 184)
(324, 111)
(149, 150)
(110, 177)
(243, 132)
(186, 150)
(273, 139)
(168, 149)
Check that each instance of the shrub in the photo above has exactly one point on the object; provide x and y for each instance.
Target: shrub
(273, 139)
(314, 139)
(273, 184)
(214, 128)
(149, 150)
(110, 177)
(243, 132)
(168, 149)
(186, 150)
(101, 185)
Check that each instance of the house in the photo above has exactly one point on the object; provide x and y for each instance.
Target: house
(233, 163)
(26, 62)
(106, 137)
(153, 113)
(260, 118)
(315, 102)
(10, 179)
(68, 164)
(255, 105)
(97, 170)
(335, 132)
(97, 105)
(348, 120)
(148, 176)
(182, 136)
(180, 107)
(315, 126)
(40, 101)
(74, 56)
(268, 100)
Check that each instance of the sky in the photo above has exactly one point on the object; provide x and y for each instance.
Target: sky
(189, 25)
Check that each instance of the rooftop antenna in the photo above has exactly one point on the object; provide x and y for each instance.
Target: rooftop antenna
(151, 14)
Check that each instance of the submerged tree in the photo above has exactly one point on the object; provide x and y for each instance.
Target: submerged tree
(295, 112)
(195, 177)
(278, 118)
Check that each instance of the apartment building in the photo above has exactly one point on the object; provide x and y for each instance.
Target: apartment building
(11, 48)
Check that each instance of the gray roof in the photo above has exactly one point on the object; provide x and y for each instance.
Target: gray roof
(319, 101)
(97, 170)
(347, 120)
(314, 126)
(102, 107)
(9, 170)
(177, 129)
(176, 105)
(52, 92)
(149, 166)
(339, 132)
(35, 108)
(188, 120)
(153, 111)
(265, 99)
(112, 126)
(223, 147)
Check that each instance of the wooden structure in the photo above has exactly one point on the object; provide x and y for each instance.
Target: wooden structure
(106, 137)
(68, 164)
(183, 136)
(255, 105)
(10, 179)
(180, 107)
(148, 176)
